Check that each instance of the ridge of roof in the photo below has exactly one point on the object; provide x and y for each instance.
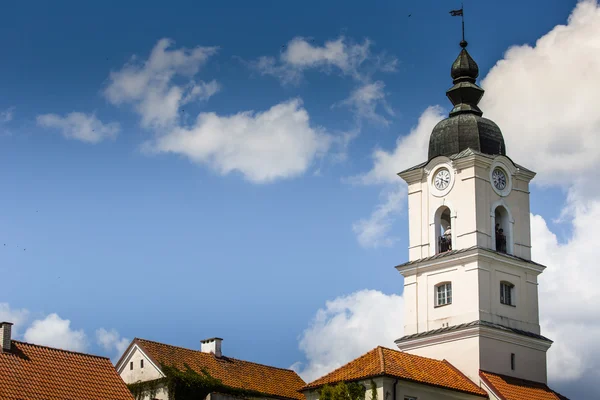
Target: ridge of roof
(381, 359)
(212, 355)
(58, 349)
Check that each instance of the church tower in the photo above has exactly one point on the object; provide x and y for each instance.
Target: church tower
(470, 286)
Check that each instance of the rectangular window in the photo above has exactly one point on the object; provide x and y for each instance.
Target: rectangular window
(444, 294)
(506, 293)
(512, 361)
(131, 365)
(141, 363)
(409, 398)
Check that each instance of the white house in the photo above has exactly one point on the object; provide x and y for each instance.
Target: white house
(145, 361)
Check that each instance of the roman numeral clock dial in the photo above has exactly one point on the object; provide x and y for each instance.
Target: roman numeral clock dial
(442, 179)
(499, 179)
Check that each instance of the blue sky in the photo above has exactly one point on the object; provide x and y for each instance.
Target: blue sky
(155, 245)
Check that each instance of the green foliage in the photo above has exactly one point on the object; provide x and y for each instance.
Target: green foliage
(373, 390)
(187, 384)
(343, 391)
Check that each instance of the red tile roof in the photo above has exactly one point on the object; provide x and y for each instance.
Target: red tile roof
(272, 381)
(32, 372)
(509, 388)
(386, 362)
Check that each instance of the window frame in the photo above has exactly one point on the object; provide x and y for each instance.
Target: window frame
(445, 289)
(507, 293)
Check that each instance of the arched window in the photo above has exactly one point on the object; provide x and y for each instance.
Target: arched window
(443, 230)
(507, 293)
(502, 230)
(443, 294)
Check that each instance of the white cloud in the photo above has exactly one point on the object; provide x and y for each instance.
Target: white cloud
(365, 100)
(111, 341)
(545, 99)
(80, 126)
(7, 115)
(568, 292)
(149, 86)
(56, 332)
(17, 317)
(265, 146)
(375, 230)
(347, 327)
(342, 56)
(352, 59)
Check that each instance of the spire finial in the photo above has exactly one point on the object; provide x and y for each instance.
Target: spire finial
(460, 13)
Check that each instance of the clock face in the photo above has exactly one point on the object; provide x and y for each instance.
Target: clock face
(442, 179)
(499, 179)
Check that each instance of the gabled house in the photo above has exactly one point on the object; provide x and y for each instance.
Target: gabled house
(401, 376)
(150, 362)
(32, 372)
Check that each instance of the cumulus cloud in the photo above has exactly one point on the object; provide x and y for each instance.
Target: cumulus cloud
(568, 294)
(347, 327)
(80, 126)
(545, 98)
(365, 101)
(111, 341)
(150, 87)
(263, 146)
(17, 317)
(56, 332)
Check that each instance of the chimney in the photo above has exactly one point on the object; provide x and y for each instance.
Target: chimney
(5, 329)
(212, 345)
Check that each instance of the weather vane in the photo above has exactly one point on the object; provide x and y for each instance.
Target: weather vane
(460, 13)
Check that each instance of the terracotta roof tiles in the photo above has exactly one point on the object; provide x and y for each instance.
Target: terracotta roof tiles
(272, 381)
(382, 361)
(509, 388)
(32, 372)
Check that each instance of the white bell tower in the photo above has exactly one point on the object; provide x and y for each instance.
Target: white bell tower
(470, 286)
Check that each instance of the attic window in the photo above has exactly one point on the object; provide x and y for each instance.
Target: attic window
(141, 363)
(131, 366)
(512, 361)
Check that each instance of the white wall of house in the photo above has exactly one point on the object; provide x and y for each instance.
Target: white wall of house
(131, 371)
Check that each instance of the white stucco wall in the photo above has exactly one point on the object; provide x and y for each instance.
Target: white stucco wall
(471, 200)
(475, 282)
(530, 363)
(139, 374)
(462, 353)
